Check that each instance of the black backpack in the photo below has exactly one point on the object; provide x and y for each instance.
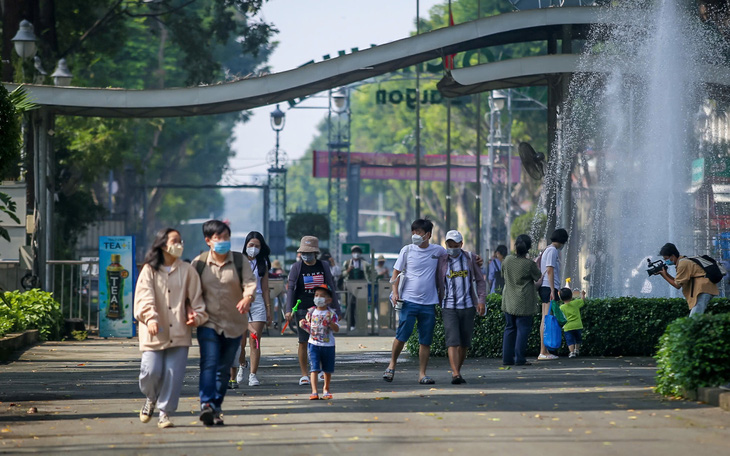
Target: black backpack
(713, 271)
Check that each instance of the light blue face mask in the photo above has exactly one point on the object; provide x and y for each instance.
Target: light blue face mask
(222, 247)
(669, 262)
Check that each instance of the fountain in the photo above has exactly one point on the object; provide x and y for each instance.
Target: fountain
(628, 133)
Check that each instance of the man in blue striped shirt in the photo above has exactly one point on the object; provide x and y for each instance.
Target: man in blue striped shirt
(460, 299)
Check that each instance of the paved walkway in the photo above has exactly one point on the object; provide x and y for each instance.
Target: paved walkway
(87, 403)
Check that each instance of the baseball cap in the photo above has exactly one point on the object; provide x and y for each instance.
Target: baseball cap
(454, 235)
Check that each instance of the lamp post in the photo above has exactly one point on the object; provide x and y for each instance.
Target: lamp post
(277, 185)
(25, 46)
(497, 100)
(339, 103)
(62, 76)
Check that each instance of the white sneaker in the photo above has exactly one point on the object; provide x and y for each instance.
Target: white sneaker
(253, 380)
(321, 376)
(548, 356)
(164, 421)
(572, 355)
(147, 410)
(241, 374)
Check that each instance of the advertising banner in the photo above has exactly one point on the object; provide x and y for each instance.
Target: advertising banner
(384, 166)
(116, 286)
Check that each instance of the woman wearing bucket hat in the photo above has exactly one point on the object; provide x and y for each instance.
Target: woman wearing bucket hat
(304, 277)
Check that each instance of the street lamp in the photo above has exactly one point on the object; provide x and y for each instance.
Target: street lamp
(62, 76)
(24, 40)
(497, 100)
(278, 119)
(340, 100)
(277, 184)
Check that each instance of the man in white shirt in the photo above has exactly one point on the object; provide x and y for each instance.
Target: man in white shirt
(548, 291)
(418, 262)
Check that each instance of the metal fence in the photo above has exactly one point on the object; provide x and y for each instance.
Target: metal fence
(76, 287)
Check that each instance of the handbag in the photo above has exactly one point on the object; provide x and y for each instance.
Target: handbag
(553, 335)
(402, 277)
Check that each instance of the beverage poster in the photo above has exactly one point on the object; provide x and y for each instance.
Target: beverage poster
(116, 286)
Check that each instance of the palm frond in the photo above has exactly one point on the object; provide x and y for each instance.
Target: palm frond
(21, 100)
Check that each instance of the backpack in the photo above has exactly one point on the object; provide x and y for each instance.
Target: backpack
(237, 261)
(713, 270)
(498, 278)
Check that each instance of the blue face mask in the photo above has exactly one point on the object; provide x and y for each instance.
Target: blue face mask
(669, 262)
(222, 247)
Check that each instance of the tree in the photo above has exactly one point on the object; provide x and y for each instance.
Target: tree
(390, 128)
(138, 45)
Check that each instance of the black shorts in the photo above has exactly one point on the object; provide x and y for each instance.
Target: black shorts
(544, 293)
(458, 326)
(303, 335)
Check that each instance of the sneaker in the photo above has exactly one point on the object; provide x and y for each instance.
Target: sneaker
(232, 384)
(207, 414)
(164, 421)
(253, 380)
(352, 328)
(572, 355)
(145, 415)
(218, 419)
(241, 374)
(544, 357)
(320, 376)
(577, 352)
(304, 381)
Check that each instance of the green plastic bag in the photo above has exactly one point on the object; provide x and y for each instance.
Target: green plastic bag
(559, 315)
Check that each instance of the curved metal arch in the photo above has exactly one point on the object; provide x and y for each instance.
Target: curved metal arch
(522, 26)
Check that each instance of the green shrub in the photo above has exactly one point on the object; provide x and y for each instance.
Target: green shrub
(694, 352)
(33, 309)
(624, 326)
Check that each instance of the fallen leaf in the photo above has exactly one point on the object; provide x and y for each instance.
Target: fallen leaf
(32, 410)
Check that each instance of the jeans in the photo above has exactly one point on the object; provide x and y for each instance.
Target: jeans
(216, 358)
(514, 342)
(426, 317)
(702, 300)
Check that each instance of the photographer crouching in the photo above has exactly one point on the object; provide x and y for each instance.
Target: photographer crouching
(697, 289)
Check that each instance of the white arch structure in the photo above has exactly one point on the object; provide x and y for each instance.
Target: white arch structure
(520, 26)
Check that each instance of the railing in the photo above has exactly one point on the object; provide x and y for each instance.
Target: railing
(76, 288)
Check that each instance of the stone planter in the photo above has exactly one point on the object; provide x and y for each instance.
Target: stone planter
(16, 341)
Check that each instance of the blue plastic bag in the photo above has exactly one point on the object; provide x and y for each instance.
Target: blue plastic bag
(553, 336)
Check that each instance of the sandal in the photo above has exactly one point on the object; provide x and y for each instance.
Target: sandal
(457, 380)
(426, 381)
(313, 397)
(326, 396)
(304, 381)
(388, 375)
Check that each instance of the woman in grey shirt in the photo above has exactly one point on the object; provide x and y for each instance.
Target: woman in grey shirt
(519, 301)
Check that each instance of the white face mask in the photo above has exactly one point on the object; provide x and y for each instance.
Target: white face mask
(355, 256)
(453, 253)
(417, 239)
(252, 251)
(175, 250)
(319, 301)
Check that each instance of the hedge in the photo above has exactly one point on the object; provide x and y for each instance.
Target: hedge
(33, 309)
(693, 353)
(624, 326)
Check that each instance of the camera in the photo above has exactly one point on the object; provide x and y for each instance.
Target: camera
(655, 267)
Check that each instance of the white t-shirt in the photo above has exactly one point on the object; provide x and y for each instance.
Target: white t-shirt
(550, 257)
(420, 286)
(255, 270)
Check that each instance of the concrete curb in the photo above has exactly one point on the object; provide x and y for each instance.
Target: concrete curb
(12, 342)
(717, 397)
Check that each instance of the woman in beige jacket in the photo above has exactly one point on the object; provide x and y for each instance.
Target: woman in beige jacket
(168, 302)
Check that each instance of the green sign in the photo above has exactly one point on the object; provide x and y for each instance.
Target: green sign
(347, 248)
(698, 172)
(719, 167)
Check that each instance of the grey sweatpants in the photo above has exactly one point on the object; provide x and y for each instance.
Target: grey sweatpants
(161, 376)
